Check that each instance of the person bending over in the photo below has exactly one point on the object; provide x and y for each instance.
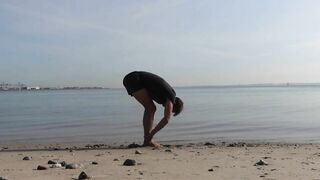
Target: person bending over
(146, 88)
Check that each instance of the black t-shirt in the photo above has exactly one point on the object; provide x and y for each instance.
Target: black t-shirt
(158, 88)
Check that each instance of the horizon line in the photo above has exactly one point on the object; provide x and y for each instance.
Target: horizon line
(182, 86)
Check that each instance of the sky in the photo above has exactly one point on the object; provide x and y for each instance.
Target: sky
(187, 42)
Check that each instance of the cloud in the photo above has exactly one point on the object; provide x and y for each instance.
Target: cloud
(36, 22)
(113, 37)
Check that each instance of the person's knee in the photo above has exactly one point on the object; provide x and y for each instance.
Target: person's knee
(150, 108)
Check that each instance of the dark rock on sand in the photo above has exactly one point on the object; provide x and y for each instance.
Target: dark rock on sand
(210, 170)
(3, 178)
(72, 166)
(232, 145)
(88, 146)
(98, 146)
(63, 163)
(52, 162)
(41, 167)
(56, 165)
(209, 144)
(95, 163)
(168, 150)
(240, 144)
(83, 175)
(133, 145)
(27, 158)
(138, 152)
(261, 163)
(116, 159)
(129, 162)
(266, 157)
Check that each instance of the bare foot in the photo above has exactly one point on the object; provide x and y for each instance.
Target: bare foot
(152, 144)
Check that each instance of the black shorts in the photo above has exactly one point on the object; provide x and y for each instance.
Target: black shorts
(132, 82)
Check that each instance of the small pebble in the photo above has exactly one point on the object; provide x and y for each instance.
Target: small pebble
(27, 158)
(116, 159)
(266, 157)
(83, 175)
(41, 167)
(168, 150)
(72, 166)
(63, 163)
(56, 165)
(261, 163)
(88, 146)
(52, 162)
(210, 170)
(129, 162)
(138, 152)
(232, 145)
(96, 146)
(209, 144)
(94, 163)
(133, 145)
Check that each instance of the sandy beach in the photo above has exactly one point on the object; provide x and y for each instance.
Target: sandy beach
(193, 161)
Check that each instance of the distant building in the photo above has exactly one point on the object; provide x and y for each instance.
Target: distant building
(33, 88)
(4, 86)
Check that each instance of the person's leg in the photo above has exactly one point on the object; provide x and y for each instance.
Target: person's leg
(143, 97)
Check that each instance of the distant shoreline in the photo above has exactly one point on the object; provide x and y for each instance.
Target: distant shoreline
(56, 89)
(266, 85)
(255, 85)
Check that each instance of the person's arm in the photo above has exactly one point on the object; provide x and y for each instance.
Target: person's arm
(164, 121)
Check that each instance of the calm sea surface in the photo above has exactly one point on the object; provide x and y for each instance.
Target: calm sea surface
(265, 114)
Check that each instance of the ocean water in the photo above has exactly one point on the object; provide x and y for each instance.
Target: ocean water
(259, 114)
